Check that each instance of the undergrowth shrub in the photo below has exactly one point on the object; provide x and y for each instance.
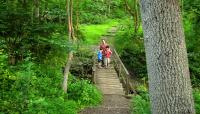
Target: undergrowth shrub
(83, 92)
(52, 106)
(192, 36)
(196, 95)
(141, 102)
(130, 47)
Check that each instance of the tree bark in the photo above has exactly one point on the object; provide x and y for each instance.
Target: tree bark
(69, 6)
(66, 71)
(109, 7)
(77, 17)
(167, 63)
(37, 10)
(71, 20)
(134, 13)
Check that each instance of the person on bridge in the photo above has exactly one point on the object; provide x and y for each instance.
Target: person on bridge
(99, 55)
(103, 47)
(108, 53)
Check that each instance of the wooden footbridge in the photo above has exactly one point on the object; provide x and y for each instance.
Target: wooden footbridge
(115, 84)
(115, 79)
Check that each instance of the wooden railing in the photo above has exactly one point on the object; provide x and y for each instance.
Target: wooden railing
(123, 73)
(94, 68)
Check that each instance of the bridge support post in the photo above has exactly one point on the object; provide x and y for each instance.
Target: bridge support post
(127, 87)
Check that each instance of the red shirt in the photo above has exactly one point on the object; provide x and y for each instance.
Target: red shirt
(103, 47)
(108, 53)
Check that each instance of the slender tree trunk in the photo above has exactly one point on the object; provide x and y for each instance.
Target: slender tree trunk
(109, 7)
(77, 20)
(46, 11)
(69, 15)
(69, 4)
(167, 63)
(134, 12)
(77, 17)
(37, 9)
(66, 71)
(71, 20)
(137, 22)
(60, 17)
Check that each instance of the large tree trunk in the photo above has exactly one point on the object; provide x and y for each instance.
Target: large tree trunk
(167, 63)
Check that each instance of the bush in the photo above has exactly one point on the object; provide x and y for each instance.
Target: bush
(52, 106)
(196, 95)
(141, 102)
(140, 105)
(84, 93)
(131, 50)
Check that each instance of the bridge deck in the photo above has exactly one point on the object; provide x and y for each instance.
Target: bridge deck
(108, 82)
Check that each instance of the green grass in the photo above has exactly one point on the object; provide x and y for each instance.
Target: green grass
(92, 33)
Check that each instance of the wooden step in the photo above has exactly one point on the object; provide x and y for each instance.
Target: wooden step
(105, 74)
(109, 91)
(105, 78)
(108, 75)
(113, 85)
(108, 82)
(111, 88)
(106, 69)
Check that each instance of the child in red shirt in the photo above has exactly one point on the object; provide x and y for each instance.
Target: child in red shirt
(108, 53)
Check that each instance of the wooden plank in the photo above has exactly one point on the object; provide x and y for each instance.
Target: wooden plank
(109, 85)
(121, 62)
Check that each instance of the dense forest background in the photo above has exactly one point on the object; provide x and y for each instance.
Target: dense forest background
(34, 47)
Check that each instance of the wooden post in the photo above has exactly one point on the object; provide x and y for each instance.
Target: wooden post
(66, 71)
(120, 70)
(93, 74)
(127, 86)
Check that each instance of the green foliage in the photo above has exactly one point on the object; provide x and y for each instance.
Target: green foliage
(92, 33)
(84, 93)
(82, 63)
(52, 106)
(196, 95)
(37, 50)
(92, 12)
(97, 11)
(131, 49)
(141, 102)
(140, 105)
(35, 88)
(191, 26)
(25, 90)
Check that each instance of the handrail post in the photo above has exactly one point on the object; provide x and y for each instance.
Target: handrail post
(127, 86)
(93, 74)
(120, 70)
(94, 70)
